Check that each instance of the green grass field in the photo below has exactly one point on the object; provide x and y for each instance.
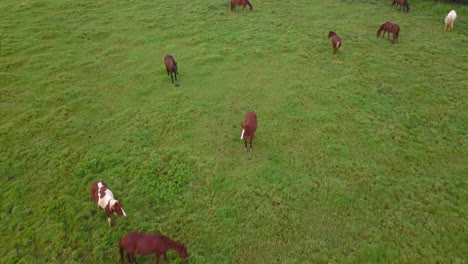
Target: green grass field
(359, 157)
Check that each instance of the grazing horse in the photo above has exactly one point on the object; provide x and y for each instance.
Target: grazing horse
(146, 244)
(241, 2)
(336, 41)
(450, 19)
(105, 199)
(171, 66)
(248, 128)
(389, 27)
(401, 3)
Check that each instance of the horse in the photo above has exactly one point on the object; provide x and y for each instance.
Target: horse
(449, 20)
(241, 2)
(105, 199)
(389, 27)
(248, 128)
(401, 3)
(336, 41)
(146, 244)
(171, 66)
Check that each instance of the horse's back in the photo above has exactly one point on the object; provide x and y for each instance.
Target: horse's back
(95, 189)
(142, 244)
(250, 124)
(130, 241)
(451, 16)
(251, 117)
(168, 59)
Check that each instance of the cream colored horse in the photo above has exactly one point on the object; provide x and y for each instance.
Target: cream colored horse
(450, 19)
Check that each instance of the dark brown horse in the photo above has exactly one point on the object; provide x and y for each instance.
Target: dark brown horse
(171, 66)
(336, 41)
(146, 244)
(401, 3)
(241, 2)
(248, 128)
(389, 27)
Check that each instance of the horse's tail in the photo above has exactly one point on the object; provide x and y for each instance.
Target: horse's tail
(380, 30)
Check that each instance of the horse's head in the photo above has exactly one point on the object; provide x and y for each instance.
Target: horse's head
(182, 250)
(330, 33)
(118, 209)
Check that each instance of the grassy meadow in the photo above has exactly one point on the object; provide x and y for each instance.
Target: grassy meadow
(359, 157)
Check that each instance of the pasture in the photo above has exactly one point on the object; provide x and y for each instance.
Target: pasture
(359, 157)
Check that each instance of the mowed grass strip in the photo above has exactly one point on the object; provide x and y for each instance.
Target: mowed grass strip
(358, 157)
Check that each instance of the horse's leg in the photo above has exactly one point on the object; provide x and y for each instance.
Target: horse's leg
(109, 221)
(165, 257)
(175, 74)
(172, 78)
(251, 144)
(156, 261)
(122, 252)
(245, 141)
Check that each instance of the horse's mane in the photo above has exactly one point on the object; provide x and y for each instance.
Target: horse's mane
(172, 243)
(380, 29)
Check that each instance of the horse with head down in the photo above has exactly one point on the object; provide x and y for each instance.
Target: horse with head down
(449, 20)
(105, 199)
(171, 67)
(145, 244)
(248, 128)
(336, 41)
(389, 27)
(401, 3)
(241, 2)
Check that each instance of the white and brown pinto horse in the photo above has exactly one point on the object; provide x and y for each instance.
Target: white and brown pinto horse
(248, 128)
(105, 199)
(450, 19)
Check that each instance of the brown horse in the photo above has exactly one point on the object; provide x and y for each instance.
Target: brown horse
(248, 128)
(171, 66)
(146, 244)
(241, 2)
(401, 3)
(389, 27)
(336, 41)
